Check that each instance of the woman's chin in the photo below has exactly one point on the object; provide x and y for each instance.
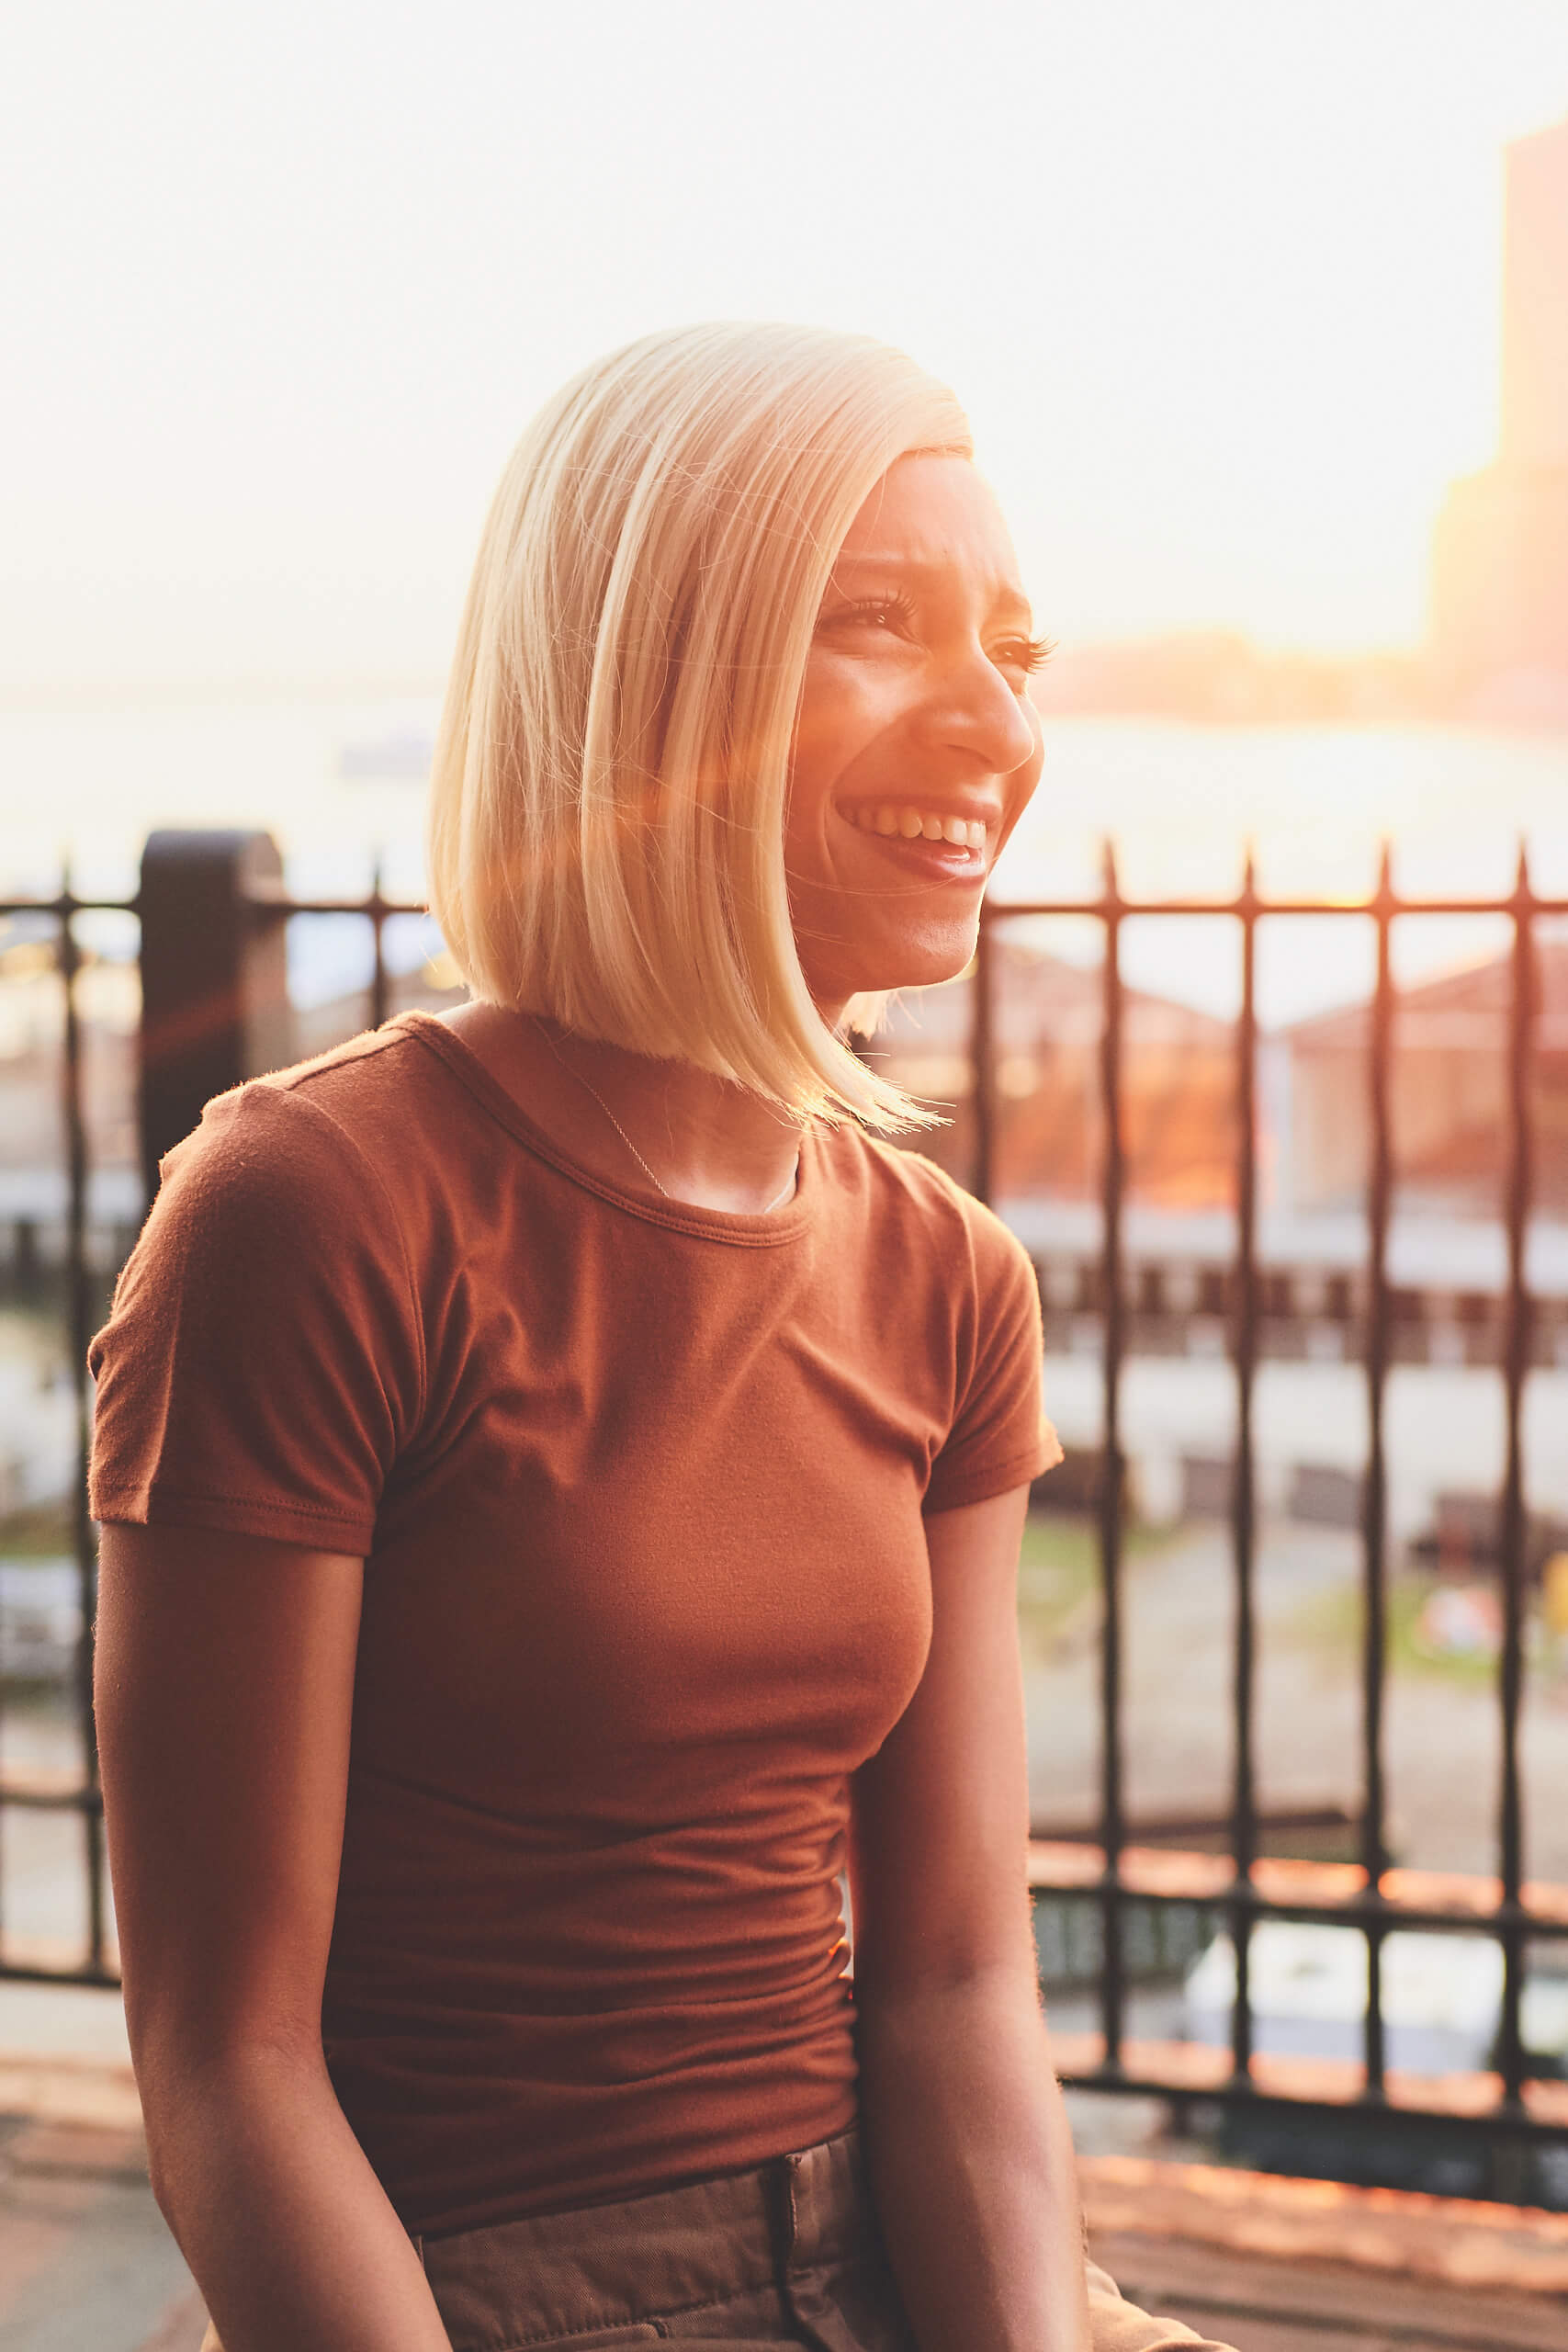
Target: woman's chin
(922, 964)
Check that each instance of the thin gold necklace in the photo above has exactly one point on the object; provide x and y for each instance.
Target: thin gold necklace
(775, 1203)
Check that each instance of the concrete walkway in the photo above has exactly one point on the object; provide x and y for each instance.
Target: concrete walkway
(86, 2262)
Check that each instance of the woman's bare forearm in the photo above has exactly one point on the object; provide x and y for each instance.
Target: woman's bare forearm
(972, 2168)
(287, 2231)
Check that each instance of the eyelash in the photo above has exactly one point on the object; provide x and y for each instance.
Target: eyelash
(870, 605)
(1031, 652)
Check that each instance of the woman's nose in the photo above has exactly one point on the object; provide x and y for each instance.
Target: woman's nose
(977, 711)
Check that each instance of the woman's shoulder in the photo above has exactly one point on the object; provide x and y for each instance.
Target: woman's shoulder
(917, 1205)
(359, 1081)
(353, 1112)
(302, 1171)
(967, 1285)
(264, 1357)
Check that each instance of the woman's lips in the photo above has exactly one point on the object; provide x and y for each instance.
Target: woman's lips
(912, 822)
(933, 861)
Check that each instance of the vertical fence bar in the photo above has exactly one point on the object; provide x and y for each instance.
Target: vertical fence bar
(1244, 1805)
(1516, 1365)
(76, 1325)
(1374, 1567)
(377, 908)
(1112, 1988)
(982, 1057)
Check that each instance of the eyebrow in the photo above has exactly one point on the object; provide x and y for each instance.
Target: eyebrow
(921, 568)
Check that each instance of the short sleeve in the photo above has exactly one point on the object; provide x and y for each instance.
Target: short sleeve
(1000, 1437)
(261, 1368)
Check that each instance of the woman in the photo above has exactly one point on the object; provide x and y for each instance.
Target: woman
(562, 1474)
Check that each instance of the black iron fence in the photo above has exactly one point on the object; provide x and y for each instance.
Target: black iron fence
(1512, 2108)
(214, 1003)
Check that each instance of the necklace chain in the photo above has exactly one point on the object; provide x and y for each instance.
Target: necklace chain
(663, 1189)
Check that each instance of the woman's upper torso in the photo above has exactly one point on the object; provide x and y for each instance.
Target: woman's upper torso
(639, 1489)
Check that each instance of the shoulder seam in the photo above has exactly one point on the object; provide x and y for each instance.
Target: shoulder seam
(332, 1058)
(345, 1135)
(888, 1154)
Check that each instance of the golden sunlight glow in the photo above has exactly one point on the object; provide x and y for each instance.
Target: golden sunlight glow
(1219, 285)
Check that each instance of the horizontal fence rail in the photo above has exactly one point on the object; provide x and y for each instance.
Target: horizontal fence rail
(1138, 1898)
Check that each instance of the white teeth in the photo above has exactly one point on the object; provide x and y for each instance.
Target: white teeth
(916, 824)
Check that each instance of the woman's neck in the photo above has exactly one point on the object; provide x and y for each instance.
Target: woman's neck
(702, 1140)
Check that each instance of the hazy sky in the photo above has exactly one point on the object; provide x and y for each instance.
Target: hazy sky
(1218, 281)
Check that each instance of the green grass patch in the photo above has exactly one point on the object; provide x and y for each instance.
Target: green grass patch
(1333, 1622)
(40, 1531)
(1058, 1572)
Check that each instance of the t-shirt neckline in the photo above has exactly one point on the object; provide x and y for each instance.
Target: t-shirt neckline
(748, 1229)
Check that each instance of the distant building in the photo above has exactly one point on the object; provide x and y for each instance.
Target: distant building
(1448, 1095)
(1219, 676)
(1177, 1084)
(1535, 303)
(1499, 610)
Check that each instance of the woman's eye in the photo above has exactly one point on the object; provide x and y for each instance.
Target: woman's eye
(885, 616)
(1025, 653)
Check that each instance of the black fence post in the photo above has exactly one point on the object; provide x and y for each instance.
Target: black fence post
(1514, 1531)
(1114, 1486)
(1244, 1506)
(214, 984)
(1374, 1508)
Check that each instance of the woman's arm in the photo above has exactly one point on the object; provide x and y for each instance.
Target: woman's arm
(971, 2158)
(224, 1691)
(970, 2152)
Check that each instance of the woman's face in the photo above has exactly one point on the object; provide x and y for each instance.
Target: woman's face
(916, 747)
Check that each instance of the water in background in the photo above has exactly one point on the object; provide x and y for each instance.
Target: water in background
(339, 782)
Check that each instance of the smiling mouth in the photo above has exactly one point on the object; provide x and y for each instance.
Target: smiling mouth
(901, 821)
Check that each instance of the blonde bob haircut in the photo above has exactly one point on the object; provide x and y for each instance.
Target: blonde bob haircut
(613, 765)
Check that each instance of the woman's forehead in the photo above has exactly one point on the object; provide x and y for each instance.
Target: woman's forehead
(931, 511)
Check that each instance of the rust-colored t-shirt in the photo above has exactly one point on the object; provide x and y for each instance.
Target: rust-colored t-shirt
(639, 1489)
